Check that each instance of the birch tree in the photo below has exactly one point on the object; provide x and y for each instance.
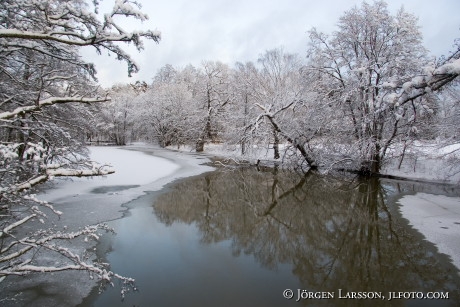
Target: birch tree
(44, 85)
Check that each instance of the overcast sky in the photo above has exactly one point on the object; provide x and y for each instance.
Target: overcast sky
(241, 30)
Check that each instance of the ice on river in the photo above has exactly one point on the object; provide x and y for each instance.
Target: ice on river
(437, 217)
(88, 201)
(132, 169)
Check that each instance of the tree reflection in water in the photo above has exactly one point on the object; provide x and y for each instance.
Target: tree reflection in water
(338, 234)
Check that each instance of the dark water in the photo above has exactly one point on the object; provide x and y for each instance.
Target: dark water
(241, 237)
(113, 188)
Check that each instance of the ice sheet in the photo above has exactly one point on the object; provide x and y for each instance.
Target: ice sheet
(437, 217)
(132, 168)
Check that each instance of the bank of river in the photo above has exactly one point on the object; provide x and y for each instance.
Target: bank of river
(242, 236)
(87, 201)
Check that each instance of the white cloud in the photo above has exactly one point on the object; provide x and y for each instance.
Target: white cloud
(240, 30)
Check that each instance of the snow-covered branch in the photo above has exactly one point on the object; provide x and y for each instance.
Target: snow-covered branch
(433, 81)
(25, 265)
(48, 102)
(76, 38)
(10, 227)
(62, 172)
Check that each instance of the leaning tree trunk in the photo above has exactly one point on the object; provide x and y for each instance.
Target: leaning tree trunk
(276, 142)
(308, 158)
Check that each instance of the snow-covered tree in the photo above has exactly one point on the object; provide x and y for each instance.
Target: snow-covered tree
(117, 117)
(214, 95)
(448, 115)
(243, 109)
(278, 92)
(44, 87)
(372, 71)
(164, 114)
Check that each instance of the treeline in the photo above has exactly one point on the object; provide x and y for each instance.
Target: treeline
(358, 98)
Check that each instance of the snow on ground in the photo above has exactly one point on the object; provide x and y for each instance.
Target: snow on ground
(131, 167)
(229, 151)
(437, 217)
(428, 161)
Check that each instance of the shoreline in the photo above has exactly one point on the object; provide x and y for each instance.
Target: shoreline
(83, 207)
(428, 169)
(71, 288)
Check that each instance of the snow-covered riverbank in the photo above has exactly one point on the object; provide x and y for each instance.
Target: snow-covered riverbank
(87, 201)
(427, 161)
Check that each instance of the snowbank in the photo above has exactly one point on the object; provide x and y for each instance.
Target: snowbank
(253, 153)
(138, 168)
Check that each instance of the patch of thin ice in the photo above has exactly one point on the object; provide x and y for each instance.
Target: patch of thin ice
(131, 168)
(437, 217)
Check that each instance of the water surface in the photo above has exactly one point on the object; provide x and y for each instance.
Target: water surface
(241, 237)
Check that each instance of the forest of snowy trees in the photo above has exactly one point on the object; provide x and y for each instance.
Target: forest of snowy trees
(358, 98)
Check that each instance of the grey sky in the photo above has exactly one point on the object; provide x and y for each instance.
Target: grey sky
(240, 30)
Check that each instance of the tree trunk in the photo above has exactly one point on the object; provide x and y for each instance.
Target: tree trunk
(246, 112)
(208, 128)
(276, 154)
(310, 161)
(373, 164)
(199, 147)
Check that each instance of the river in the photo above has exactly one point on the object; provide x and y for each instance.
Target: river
(246, 237)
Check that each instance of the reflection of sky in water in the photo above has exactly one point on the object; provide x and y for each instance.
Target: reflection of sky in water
(240, 238)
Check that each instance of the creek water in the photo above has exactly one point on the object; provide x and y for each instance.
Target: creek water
(241, 237)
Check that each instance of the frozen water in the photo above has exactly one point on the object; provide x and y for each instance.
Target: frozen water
(132, 168)
(437, 217)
